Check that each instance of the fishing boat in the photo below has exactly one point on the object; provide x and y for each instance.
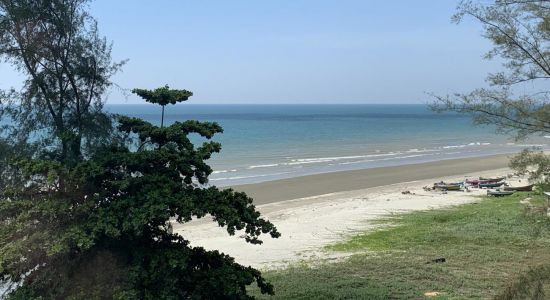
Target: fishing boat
(447, 186)
(472, 182)
(449, 183)
(478, 182)
(490, 184)
(525, 188)
(499, 193)
(497, 179)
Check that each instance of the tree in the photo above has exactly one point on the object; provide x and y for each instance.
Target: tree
(520, 32)
(114, 216)
(163, 96)
(68, 66)
(87, 198)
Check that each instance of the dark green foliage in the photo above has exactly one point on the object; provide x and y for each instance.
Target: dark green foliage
(115, 208)
(163, 95)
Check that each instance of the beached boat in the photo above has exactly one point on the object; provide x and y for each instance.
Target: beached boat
(490, 184)
(499, 193)
(491, 179)
(447, 186)
(449, 183)
(477, 181)
(525, 188)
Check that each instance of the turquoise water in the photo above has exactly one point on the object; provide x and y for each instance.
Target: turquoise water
(267, 142)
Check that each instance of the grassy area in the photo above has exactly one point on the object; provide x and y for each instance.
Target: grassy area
(489, 249)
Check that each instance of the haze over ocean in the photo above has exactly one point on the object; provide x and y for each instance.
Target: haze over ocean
(267, 142)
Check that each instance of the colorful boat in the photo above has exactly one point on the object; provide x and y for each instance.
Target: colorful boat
(499, 193)
(490, 184)
(525, 188)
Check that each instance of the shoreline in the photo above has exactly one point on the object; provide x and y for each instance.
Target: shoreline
(311, 222)
(341, 181)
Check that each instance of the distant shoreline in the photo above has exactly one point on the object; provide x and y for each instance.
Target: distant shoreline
(333, 182)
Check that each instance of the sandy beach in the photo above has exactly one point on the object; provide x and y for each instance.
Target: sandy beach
(314, 211)
(321, 184)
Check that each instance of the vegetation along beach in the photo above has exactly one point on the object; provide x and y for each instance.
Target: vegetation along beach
(274, 149)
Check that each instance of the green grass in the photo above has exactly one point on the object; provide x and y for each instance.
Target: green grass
(488, 247)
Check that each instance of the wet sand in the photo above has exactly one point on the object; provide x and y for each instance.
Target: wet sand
(321, 184)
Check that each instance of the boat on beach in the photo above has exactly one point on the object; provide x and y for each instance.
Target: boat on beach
(490, 185)
(525, 188)
(499, 193)
(485, 181)
(448, 186)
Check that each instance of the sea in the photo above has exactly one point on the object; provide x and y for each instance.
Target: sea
(269, 142)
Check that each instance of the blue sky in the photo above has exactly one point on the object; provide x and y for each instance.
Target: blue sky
(292, 51)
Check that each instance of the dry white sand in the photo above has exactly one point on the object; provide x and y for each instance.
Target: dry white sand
(309, 224)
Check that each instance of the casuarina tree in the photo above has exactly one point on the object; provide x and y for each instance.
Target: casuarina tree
(67, 66)
(517, 100)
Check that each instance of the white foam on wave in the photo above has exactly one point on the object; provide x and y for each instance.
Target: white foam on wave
(300, 161)
(384, 159)
(479, 144)
(249, 176)
(472, 144)
(353, 159)
(263, 166)
(303, 165)
(223, 171)
(454, 146)
(416, 150)
(453, 153)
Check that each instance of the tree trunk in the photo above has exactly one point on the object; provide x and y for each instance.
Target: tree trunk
(162, 118)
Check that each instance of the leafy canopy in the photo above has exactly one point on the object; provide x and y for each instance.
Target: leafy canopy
(517, 100)
(163, 95)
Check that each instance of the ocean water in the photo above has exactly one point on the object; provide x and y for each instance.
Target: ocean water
(268, 142)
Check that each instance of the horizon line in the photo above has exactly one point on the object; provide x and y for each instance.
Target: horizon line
(190, 103)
